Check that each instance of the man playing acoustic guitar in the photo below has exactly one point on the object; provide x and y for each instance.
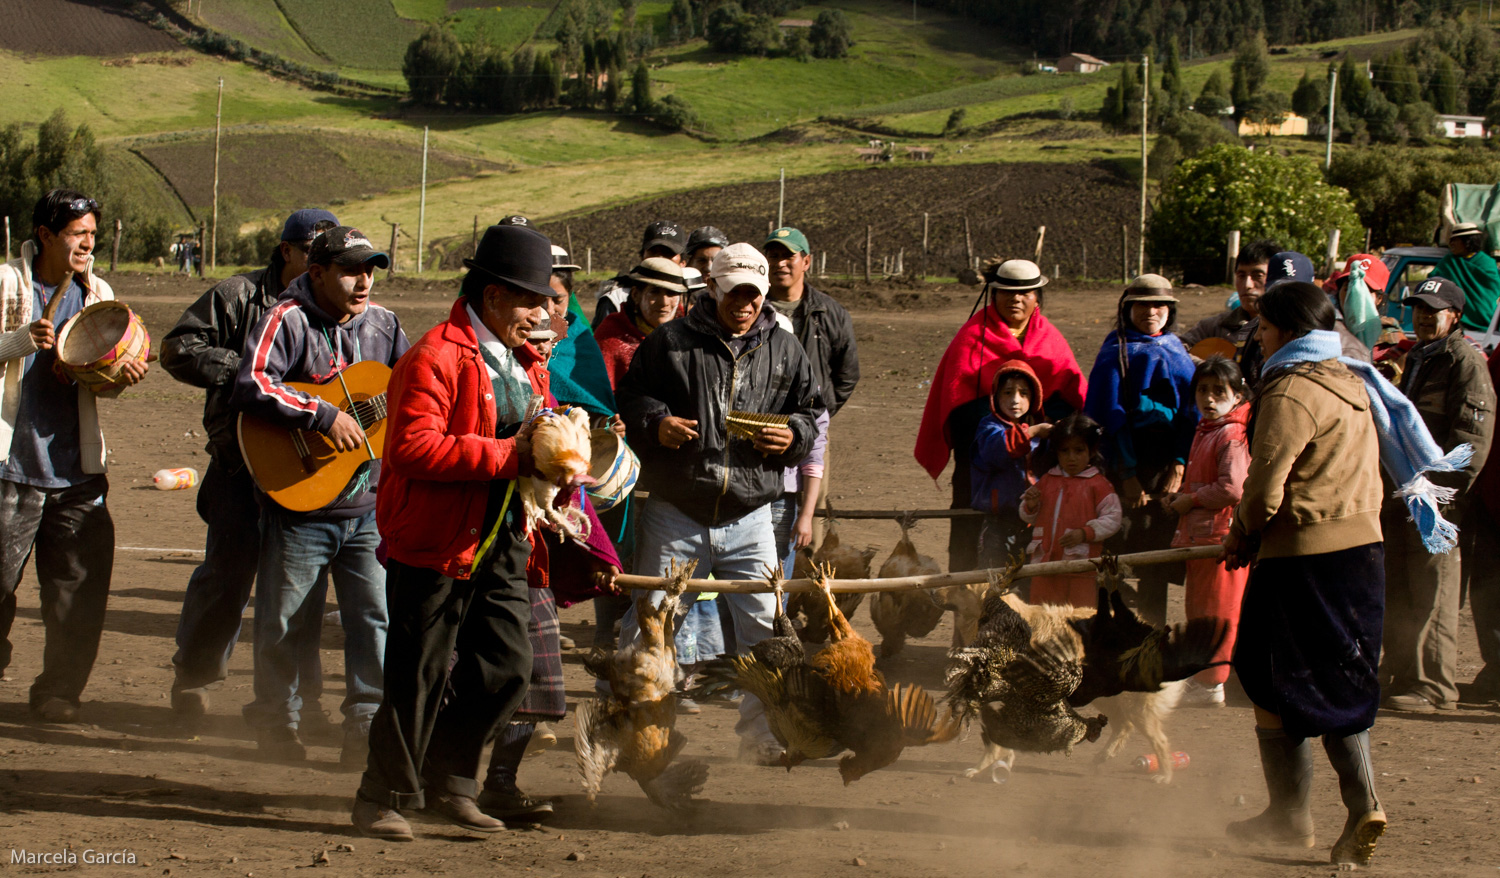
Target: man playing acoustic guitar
(323, 323)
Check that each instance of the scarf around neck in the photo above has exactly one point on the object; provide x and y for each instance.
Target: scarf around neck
(1407, 449)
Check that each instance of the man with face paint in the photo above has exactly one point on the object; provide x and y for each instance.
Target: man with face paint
(203, 350)
(711, 491)
(323, 323)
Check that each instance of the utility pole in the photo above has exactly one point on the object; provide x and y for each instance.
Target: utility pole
(1333, 88)
(213, 235)
(781, 202)
(422, 202)
(1145, 97)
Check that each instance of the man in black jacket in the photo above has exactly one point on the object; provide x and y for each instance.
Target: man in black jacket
(695, 401)
(203, 350)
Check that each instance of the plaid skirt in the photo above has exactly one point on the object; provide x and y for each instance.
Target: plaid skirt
(546, 697)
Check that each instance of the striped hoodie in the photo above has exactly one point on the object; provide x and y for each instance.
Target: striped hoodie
(298, 341)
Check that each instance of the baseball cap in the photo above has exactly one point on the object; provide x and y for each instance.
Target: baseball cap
(1376, 274)
(301, 225)
(1439, 293)
(562, 262)
(1289, 265)
(346, 246)
(516, 219)
(740, 264)
(664, 233)
(708, 236)
(789, 238)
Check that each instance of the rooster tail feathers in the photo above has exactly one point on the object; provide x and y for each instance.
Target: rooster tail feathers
(915, 710)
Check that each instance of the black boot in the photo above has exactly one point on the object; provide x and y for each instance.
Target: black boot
(1287, 764)
(1350, 757)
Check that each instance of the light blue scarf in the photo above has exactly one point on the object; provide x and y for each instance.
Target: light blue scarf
(1407, 450)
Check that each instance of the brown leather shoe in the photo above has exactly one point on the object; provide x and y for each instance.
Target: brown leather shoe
(461, 811)
(377, 821)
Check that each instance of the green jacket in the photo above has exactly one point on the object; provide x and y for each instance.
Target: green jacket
(1480, 278)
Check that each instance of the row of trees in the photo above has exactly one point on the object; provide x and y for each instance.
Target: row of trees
(734, 30)
(1116, 28)
(63, 156)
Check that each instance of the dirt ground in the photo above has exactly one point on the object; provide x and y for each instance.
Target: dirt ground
(132, 781)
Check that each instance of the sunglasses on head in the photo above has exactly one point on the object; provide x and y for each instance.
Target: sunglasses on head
(82, 205)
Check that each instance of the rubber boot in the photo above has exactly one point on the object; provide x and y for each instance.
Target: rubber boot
(1350, 757)
(1287, 765)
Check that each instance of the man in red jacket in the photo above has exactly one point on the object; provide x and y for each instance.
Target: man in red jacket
(457, 553)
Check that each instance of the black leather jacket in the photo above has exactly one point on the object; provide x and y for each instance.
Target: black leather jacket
(692, 368)
(828, 338)
(204, 349)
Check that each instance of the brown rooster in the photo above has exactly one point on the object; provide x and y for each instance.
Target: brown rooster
(832, 702)
(632, 729)
(901, 614)
(851, 563)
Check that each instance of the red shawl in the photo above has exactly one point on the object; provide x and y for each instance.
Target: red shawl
(970, 361)
(618, 339)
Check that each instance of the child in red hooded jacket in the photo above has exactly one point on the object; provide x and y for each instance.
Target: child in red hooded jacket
(1073, 509)
(1000, 459)
(1212, 485)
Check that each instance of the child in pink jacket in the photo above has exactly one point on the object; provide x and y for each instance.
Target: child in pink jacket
(1073, 509)
(1212, 485)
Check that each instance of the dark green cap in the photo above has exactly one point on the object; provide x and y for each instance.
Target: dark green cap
(789, 238)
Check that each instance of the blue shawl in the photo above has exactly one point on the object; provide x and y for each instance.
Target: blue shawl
(577, 367)
(1407, 450)
(1157, 365)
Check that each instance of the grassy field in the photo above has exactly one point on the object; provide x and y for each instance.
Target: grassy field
(260, 24)
(362, 34)
(508, 27)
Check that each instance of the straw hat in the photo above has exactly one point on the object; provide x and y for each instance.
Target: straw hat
(561, 261)
(1016, 275)
(658, 271)
(1149, 288)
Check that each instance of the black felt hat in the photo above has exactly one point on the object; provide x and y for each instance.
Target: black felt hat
(516, 255)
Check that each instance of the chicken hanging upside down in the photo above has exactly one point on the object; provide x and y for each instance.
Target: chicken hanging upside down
(851, 563)
(631, 730)
(1032, 666)
(901, 614)
(560, 448)
(834, 701)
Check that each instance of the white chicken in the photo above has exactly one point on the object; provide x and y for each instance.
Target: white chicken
(560, 449)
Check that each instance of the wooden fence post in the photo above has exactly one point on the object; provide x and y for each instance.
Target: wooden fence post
(1231, 256)
(869, 237)
(114, 252)
(391, 272)
(1041, 236)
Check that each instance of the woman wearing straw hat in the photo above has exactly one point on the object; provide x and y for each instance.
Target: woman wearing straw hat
(1141, 394)
(1009, 326)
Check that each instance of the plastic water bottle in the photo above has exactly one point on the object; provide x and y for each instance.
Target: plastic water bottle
(178, 479)
(1148, 762)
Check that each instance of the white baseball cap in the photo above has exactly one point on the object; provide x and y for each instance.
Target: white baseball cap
(738, 265)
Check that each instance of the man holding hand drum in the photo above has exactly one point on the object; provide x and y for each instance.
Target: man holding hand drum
(52, 455)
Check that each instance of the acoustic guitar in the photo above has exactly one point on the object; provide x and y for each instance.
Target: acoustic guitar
(300, 469)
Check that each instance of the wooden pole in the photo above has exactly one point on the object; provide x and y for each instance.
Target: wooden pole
(202, 236)
(781, 202)
(1145, 97)
(869, 237)
(1333, 87)
(939, 580)
(968, 244)
(7, 239)
(1125, 252)
(391, 272)
(1041, 236)
(924, 244)
(588, 266)
(1333, 250)
(422, 202)
(474, 241)
(213, 237)
(569, 230)
(1085, 259)
(114, 251)
(1231, 256)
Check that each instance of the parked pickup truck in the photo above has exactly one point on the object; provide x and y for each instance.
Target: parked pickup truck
(1409, 266)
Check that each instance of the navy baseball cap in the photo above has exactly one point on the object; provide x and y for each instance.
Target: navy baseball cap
(1288, 265)
(302, 225)
(1439, 293)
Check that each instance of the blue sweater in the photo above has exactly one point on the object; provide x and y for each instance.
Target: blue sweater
(1152, 403)
(996, 480)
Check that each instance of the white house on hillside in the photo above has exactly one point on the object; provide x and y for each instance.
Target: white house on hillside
(1462, 126)
(1080, 63)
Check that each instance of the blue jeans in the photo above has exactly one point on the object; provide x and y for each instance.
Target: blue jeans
(700, 638)
(220, 588)
(783, 515)
(295, 550)
(739, 549)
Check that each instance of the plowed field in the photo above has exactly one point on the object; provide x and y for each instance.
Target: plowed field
(76, 27)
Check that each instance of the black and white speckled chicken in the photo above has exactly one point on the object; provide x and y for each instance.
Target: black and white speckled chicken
(632, 730)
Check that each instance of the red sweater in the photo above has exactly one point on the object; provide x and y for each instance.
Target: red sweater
(440, 450)
(619, 338)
